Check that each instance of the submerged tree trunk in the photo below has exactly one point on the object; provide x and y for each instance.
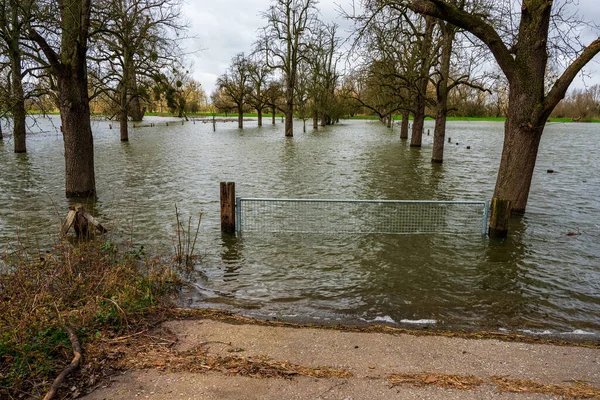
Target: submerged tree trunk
(241, 116)
(289, 109)
(17, 99)
(260, 116)
(123, 128)
(273, 115)
(422, 83)
(404, 126)
(439, 135)
(416, 137)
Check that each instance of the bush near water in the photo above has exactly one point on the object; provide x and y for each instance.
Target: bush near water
(93, 288)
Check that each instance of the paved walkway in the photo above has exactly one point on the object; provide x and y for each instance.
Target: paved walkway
(373, 359)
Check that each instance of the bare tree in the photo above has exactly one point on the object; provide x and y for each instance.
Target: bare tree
(259, 74)
(285, 42)
(135, 39)
(235, 84)
(522, 51)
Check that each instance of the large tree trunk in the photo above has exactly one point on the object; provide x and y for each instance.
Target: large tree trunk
(439, 135)
(517, 164)
(259, 112)
(404, 126)
(123, 113)
(522, 135)
(416, 137)
(289, 110)
(77, 133)
(273, 114)
(17, 99)
(315, 120)
(241, 116)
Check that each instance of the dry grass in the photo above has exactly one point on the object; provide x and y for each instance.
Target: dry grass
(91, 287)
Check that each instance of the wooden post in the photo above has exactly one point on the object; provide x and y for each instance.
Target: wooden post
(228, 207)
(214, 124)
(500, 214)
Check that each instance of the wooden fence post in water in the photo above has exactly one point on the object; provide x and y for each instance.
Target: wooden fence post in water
(500, 214)
(228, 207)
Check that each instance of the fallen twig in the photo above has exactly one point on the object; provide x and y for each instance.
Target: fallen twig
(75, 363)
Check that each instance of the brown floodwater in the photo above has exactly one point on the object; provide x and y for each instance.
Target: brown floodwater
(540, 280)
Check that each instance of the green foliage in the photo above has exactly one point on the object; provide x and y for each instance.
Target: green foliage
(92, 287)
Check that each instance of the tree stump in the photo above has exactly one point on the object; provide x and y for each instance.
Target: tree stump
(80, 219)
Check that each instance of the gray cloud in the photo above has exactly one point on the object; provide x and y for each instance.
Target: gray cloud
(224, 28)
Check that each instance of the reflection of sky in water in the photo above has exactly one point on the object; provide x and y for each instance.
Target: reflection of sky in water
(538, 279)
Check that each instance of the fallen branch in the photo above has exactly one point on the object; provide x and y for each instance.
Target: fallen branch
(75, 363)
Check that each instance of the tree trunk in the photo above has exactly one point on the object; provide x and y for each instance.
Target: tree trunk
(289, 110)
(521, 144)
(323, 119)
(77, 133)
(123, 128)
(439, 135)
(273, 115)
(17, 99)
(259, 111)
(241, 116)
(416, 137)
(388, 121)
(404, 127)
(315, 120)
(123, 113)
(517, 164)
(422, 82)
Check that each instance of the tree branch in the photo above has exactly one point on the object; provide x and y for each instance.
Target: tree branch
(75, 363)
(558, 91)
(470, 22)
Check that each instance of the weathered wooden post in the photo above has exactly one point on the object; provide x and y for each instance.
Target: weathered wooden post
(214, 124)
(500, 214)
(228, 207)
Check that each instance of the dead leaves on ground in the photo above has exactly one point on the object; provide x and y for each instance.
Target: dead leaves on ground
(578, 390)
(155, 351)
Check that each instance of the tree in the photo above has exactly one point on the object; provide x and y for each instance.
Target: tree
(68, 65)
(221, 101)
(235, 84)
(136, 40)
(12, 24)
(322, 61)
(285, 43)
(274, 96)
(523, 57)
(258, 98)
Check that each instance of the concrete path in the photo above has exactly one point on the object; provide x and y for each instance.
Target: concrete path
(371, 358)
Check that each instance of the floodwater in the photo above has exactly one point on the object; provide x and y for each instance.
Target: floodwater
(540, 280)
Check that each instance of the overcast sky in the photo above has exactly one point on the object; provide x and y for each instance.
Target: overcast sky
(224, 28)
